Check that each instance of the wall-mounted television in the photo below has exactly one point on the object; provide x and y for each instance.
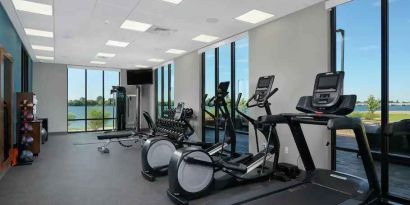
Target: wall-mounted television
(139, 77)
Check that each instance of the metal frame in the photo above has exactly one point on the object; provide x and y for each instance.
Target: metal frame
(385, 157)
(233, 89)
(86, 106)
(168, 69)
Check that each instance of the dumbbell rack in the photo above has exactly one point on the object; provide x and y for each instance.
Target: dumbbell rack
(28, 129)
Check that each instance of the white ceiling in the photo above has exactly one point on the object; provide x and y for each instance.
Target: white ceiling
(82, 27)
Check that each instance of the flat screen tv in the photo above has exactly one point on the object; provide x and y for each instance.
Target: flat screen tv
(139, 77)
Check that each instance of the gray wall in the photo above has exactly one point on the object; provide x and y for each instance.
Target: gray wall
(294, 49)
(50, 87)
(188, 86)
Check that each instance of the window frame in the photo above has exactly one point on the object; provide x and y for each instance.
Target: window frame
(385, 157)
(164, 68)
(85, 119)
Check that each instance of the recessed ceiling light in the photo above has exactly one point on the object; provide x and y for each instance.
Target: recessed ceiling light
(135, 25)
(98, 62)
(35, 32)
(254, 16)
(33, 7)
(117, 43)
(106, 55)
(157, 60)
(173, 1)
(175, 51)
(45, 58)
(42, 48)
(141, 66)
(205, 38)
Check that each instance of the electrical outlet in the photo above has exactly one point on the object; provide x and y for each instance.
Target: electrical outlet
(286, 150)
(263, 145)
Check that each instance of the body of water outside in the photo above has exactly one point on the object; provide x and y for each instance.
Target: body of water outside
(79, 113)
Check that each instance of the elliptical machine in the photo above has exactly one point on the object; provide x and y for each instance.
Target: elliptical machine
(175, 133)
(195, 172)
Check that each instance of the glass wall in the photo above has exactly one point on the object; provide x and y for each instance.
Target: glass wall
(209, 91)
(233, 68)
(361, 23)
(399, 95)
(90, 105)
(164, 83)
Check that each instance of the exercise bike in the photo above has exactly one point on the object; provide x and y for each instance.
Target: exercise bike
(194, 172)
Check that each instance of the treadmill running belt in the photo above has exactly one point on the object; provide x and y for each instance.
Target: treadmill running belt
(304, 194)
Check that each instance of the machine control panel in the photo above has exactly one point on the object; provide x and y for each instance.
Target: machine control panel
(328, 89)
(263, 88)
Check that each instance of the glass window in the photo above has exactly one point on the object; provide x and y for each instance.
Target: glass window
(166, 88)
(110, 79)
(76, 100)
(209, 89)
(165, 77)
(159, 92)
(242, 86)
(90, 107)
(172, 86)
(241, 82)
(399, 94)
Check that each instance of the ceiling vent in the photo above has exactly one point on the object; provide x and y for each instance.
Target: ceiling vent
(161, 31)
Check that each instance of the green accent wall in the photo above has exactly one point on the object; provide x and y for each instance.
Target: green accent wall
(10, 40)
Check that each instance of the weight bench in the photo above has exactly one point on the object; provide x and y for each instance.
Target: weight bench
(120, 137)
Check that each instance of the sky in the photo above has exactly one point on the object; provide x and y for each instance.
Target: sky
(361, 21)
(76, 83)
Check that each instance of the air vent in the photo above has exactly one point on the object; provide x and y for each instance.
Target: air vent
(161, 31)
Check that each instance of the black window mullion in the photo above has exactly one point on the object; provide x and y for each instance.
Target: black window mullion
(86, 100)
(203, 95)
(233, 84)
(216, 91)
(384, 96)
(103, 96)
(169, 86)
(162, 91)
(333, 69)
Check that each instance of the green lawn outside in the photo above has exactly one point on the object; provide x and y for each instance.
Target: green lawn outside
(393, 116)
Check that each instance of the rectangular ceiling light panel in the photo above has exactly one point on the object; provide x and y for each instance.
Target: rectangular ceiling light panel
(135, 25)
(157, 60)
(205, 38)
(106, 55)
(33, 7)
(141, 66)
(45, 58)
(40, 33)
(173, 1)
(117, 43)
(175, 51)
(42, 48)
(254, 16)
(98, 62)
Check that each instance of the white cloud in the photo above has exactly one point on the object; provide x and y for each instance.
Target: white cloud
(369, 47)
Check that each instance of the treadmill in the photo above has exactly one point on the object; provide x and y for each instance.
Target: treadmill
(327, 106)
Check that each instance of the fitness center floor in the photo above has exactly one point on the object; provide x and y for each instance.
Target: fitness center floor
(70, 170)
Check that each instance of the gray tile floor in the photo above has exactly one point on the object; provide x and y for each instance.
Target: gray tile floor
(399, 178)
(69, 173)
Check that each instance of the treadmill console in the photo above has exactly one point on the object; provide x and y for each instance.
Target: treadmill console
(328, 89)
(263, 88)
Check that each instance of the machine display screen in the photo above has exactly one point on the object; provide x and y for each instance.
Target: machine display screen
(328, 82)
(264, 82)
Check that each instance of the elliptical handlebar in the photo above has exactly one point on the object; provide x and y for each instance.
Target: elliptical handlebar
(238, 100)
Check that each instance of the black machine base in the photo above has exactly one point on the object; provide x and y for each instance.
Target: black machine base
(148, 176)
(176, 199)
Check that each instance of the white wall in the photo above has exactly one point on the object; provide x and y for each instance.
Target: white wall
(50, 87)
(188, 86)
(294, 49)
(147, 97)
